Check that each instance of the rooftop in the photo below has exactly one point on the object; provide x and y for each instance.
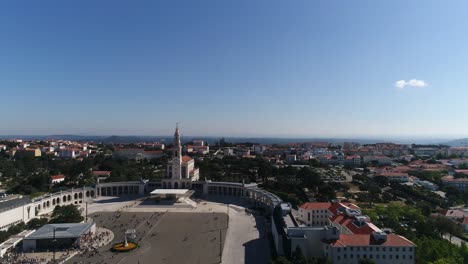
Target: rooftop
(169, 191)
(14, 203)
(393, 240)
(69, 230)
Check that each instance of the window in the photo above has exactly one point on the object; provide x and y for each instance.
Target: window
(404, 249)
(370, 248)
(410, 249)
(352, 256)
(397, 257)
(397, 249)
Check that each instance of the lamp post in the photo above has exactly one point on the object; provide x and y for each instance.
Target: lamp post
(54, 242)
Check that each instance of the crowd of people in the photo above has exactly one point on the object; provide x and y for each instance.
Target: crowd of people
(88, 244)
(15, 256)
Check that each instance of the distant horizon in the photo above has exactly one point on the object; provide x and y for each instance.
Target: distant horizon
(383, 139)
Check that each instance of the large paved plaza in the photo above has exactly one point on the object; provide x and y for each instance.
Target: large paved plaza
(170, 237)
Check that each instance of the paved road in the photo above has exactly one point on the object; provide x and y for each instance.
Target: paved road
(246, 240)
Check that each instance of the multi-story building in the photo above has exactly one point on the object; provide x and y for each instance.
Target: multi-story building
(28, 152)
(353, 160)
(395, 176)
(460, 183)
(315, 214)
(68, 153)
(459, 151)
(380, 247)
(380, 160)
(341, 233)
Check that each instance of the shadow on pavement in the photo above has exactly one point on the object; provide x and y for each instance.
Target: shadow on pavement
(257, 250)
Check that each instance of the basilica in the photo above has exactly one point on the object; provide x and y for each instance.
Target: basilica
(180, 171)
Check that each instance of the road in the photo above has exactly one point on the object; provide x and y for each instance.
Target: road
(246, 240)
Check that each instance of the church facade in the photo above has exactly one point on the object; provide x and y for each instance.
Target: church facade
(180, 170)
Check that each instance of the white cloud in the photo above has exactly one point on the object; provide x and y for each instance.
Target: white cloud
(402, 84)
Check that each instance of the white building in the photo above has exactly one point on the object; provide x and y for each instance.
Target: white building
(395, 176)
(380, 247)
(57, 178)
(68, 153)
(460, 183)
(315, 214)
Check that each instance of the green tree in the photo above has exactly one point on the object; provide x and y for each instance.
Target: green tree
(36, 223)
(66, 214)
(280, 260)
(297, 257)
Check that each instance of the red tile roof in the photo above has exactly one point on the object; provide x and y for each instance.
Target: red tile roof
(393, 240)
(186, 159)
(57, 177)
(315, 206)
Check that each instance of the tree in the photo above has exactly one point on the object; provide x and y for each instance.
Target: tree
(66, 214)
(36, 223)
(280, 260)
(297, 257)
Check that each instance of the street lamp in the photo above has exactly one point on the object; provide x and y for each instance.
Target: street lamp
(54, 242)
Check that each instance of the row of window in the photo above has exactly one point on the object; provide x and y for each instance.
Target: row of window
(397, 249)
(10, 224)
(358, 256)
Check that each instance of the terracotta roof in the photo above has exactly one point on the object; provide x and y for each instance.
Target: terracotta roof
(393, 240)
(57, 177)
(315, 206)
(186, 159)
(455, 213)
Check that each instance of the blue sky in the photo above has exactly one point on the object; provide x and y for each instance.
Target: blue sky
(234, 68)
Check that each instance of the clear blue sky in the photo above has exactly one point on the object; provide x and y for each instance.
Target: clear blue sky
(234, 68)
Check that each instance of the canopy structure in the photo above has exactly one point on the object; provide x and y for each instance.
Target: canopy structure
(171, 193)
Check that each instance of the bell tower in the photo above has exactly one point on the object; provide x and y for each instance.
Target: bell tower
(177, 155)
